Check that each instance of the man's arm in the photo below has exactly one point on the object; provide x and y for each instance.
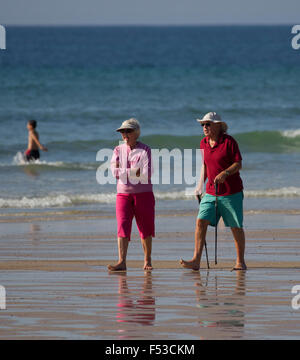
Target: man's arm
(203, 177)
(232, 169)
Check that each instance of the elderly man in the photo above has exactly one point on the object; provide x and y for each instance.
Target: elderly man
(222, 162)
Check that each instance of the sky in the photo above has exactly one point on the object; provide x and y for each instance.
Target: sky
(149, 12)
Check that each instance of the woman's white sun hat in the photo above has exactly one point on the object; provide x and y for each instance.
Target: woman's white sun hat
(215, 118)
(130, 124)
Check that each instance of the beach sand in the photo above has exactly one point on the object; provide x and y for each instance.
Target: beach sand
(53, 268)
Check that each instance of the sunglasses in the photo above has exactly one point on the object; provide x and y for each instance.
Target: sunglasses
(126, 131)
(206, 124)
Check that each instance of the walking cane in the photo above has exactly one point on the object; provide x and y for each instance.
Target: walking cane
(199, 201)
(216, 227)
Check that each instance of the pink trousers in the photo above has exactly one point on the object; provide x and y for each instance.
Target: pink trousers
(141, 206)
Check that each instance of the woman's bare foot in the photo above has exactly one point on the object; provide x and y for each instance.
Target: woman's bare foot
(148, 265)
(121, 266)
(239, 266)
(193, 264)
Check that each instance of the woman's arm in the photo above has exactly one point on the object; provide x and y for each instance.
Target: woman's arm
(142, 169)
(118, 170)
(115, 164)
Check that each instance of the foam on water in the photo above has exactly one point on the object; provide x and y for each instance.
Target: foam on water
(19, 160)
(66, 200)
(290, 191)
(291, 133)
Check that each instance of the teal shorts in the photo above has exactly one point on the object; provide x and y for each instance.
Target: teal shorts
(230, 207)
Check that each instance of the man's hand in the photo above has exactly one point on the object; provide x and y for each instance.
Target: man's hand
(220, 178)
(198, 193)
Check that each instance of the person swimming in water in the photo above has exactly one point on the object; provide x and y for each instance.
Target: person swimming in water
(32, 152)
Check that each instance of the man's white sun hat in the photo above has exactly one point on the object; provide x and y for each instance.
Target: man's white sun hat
(214, 118)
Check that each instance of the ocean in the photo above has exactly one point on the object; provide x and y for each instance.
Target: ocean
(80, 83)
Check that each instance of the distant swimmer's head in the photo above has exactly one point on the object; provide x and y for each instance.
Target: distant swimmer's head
(31, 125)
(130, 130)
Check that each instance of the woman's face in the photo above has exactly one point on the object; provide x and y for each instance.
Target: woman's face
(129, 136)
(211, 129)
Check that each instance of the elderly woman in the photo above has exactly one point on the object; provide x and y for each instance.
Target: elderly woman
(131, 165)
(222, 162)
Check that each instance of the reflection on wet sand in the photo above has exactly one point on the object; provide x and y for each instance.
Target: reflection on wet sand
(134, 307)
(34, 231)
(219, 305)
(55, 271)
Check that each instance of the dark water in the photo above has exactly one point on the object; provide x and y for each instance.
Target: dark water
(81, 83)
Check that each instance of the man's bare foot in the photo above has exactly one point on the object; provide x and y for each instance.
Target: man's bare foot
(239, 266)
(193, 265)
(118, 267)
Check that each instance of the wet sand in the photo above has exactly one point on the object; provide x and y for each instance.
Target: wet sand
(53, 267)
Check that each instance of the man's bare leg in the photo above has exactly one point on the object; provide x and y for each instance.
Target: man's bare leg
(147, 246)
(200, 235)
(239, 240)
(122, 247)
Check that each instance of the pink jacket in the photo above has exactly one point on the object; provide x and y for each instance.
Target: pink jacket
(129, 162)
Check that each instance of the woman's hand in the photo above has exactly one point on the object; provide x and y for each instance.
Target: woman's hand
(135, 172)
(220, 178)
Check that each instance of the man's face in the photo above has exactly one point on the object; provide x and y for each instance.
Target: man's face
(211, 129)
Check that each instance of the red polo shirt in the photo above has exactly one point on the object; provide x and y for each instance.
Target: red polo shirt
(219, 158)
